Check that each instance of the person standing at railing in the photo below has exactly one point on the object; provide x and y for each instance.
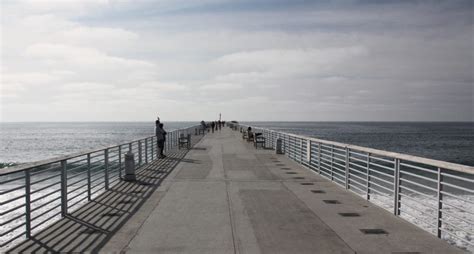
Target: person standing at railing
(160, 138)
(213, 125)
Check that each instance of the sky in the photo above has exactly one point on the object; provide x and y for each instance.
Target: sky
(251, 60)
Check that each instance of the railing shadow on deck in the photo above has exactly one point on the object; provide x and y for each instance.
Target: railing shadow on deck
(90, 227)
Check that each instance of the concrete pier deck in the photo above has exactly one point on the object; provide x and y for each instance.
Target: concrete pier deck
(225, 196)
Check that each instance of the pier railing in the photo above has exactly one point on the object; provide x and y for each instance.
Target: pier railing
(35, 195)
(435, 195)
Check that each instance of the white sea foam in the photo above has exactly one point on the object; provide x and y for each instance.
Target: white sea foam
(421, 212)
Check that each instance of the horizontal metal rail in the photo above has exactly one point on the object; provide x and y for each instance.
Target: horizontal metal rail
(28, 195)
(373, 173)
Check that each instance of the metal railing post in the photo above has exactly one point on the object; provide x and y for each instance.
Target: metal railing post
(301, 151)
(106, 162)
(319, 158)
(439, 216)
(396, 187)
(139, 152)
(368, 177)
(331, 163)
(152, 148)
(130, 147)
(146, 151)
(347, 168)
(120, 160)
(27, 203)
(308, 151)
(89, 176)
(64, 188)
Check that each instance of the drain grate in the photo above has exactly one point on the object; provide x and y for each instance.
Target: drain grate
(331, 201)
(298, 177)
(291, 173)
(349, 214)
(307, 183)
(111, 214)
(373, 231)
(125, 202)
(318, 191)
(136, 191)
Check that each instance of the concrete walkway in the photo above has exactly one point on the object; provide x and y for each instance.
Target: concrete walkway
(227, 197)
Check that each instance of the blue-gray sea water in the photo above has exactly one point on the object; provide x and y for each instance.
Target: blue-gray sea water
(28, 142)
(453, 142)
(446, 141)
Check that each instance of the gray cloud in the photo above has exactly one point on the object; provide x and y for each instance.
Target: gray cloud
(332, 60)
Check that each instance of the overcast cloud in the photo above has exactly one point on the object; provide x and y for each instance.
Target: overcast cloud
(108, 60)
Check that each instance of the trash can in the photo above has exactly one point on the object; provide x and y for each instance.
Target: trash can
(279, 145)
(129, 167)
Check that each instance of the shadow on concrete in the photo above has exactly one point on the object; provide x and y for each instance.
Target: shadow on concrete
(199, 148)
(90, 227)
(186, 160)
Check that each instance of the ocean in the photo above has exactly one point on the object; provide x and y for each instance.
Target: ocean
(446, 141)
(29, 142)
(454, 142)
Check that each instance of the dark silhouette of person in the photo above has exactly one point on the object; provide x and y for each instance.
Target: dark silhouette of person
(213, 125)
(160, 139)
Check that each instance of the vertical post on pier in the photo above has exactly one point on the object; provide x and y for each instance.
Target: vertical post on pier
(139, 152)
(332, 161)
(130, 147)
(146, 151)
(396, 187)
(106, 168)
(319, 157)
(63, 188)
(27, 203)
(368, 177)
(120, 161)
(289, 146)
(347, 168)
(153, 148)
(308, 151)
(89, 177)
(439, 216)
(272, 135)
(301, 151)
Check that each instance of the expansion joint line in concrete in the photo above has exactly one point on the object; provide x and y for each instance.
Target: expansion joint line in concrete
(130, 239)
(231, 217)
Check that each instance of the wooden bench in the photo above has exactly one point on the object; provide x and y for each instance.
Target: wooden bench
(184, 141)
(259, 139)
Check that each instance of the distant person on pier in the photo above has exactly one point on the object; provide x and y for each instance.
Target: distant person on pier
(203, 126)
(213, 125)
(249, 133)
(219, 124)
(160, 139)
